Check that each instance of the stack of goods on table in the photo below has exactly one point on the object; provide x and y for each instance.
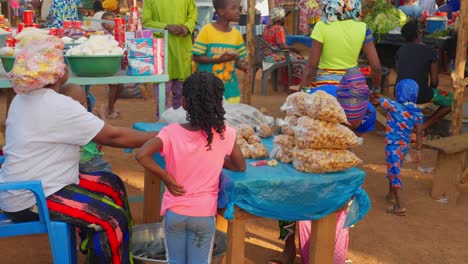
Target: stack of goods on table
(251, 143)
(314, 138)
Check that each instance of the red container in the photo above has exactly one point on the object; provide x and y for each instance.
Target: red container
(134, 9)
(67, 24)
(20, 27)
(60, 32)
(53, 31)
(124, 64)
(120, 38)
(119, 25)
(28, 17)
(9, 42)
(35, 25)
(77, 24)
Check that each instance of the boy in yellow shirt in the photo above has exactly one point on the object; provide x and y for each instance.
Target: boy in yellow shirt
(219, 48)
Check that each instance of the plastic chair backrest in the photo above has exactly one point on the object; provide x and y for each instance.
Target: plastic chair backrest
(43, 225)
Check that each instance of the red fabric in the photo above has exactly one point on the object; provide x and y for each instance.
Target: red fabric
(275, 35)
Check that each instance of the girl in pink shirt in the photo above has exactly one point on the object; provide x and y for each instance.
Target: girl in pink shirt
(194, 153)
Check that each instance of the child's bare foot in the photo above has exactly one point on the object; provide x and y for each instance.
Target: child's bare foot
(396, 210)
(284, 258)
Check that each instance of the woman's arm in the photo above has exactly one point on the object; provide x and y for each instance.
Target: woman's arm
(144, 156)
(235, 161)
(121, 137)
(374, 62)
(312, 66)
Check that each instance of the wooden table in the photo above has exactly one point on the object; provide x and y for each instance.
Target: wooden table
(450, 166)
(323, 229)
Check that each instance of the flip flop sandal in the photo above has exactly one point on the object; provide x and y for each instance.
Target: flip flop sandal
(279, 262)
(396, 211)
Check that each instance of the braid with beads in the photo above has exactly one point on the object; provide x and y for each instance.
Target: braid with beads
(203, 93)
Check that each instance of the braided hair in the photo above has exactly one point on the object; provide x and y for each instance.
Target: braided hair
(203, 93)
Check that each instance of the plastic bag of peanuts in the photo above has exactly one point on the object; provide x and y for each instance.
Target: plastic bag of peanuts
(282, 154)
(245, 130)
(323, 160)
(258, 150)
(297, 104)
(286, 141)
(287, 123)
(325, 107)
(312, 133)
(264, 131)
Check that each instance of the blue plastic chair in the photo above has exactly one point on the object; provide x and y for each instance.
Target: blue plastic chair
(61, 235)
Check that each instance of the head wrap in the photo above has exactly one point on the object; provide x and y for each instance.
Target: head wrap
(353, 95)
(110, 5)
(334, 10)
(407, 91)
(277, 14)
(37, 65)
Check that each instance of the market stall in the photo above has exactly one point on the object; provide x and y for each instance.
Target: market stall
(274, 192)
(137, 65)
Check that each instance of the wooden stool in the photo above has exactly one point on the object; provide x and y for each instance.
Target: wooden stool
(450, 166)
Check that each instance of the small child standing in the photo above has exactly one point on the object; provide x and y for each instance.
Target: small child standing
(219, 48)
(402, 116)
(91, 156)
(194, 153)
(114, 89)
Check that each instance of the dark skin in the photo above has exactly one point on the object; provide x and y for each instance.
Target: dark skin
(234, 162)
(231, 13)
(442, 111)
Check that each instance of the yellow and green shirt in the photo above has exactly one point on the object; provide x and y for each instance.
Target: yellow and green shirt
(213, 43)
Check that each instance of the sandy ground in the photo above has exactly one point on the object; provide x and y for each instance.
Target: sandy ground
(430, 233)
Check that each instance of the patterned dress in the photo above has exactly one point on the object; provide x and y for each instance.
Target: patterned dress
(62, 10)
(401, 119)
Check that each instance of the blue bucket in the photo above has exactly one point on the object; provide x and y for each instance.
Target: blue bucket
(436, 23)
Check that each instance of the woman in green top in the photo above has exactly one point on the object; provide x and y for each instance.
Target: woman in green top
(337, 41)
(179, 18)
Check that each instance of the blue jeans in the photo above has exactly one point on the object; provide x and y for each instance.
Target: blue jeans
(189, 239)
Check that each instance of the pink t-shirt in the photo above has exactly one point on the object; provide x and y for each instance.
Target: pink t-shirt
(195, 168)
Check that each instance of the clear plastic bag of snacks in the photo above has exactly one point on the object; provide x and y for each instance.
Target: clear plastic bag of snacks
(323, 160)
(312, 133)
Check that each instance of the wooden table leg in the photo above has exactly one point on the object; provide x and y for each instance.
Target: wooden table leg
(322, 240)
(152, 198)
(236, 241)
(447, 176)
(10, 94)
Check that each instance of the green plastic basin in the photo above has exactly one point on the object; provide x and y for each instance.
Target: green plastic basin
(7, 62)
(94, 66)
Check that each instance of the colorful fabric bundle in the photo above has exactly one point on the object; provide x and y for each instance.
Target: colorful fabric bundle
(353, 95)
(39, 64)
(337, 10)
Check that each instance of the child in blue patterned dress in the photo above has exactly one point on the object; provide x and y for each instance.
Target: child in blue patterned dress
(402, 116)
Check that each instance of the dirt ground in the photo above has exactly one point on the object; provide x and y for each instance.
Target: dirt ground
(431, 232)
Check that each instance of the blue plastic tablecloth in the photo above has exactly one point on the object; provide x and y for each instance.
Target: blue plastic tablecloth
(284, 193)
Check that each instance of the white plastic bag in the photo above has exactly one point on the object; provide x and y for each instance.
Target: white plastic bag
(178, 115)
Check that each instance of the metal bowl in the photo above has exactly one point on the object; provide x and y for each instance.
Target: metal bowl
(152, 235)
